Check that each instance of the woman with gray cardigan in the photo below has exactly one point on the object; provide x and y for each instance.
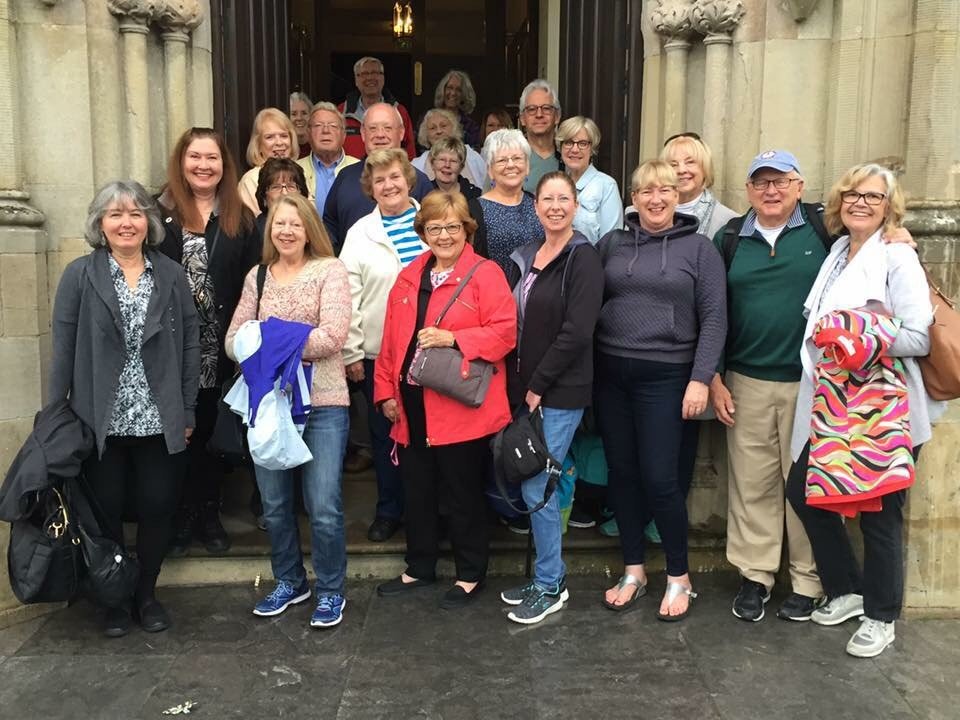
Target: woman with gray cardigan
(126, 355)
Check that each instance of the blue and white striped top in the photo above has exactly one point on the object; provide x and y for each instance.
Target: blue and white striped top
(399, 230)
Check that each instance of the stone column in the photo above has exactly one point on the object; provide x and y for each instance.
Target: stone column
(672, 20)
(177, 18)
(716, 20)
(135, 16)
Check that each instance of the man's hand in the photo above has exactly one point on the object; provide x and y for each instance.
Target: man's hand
(390, 409)
(722, 401)
(900, 235)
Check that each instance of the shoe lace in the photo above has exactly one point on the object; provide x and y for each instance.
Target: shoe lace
(870, 629)
(327, 602)
(282, 588)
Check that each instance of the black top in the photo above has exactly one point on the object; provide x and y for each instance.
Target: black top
(467, 188)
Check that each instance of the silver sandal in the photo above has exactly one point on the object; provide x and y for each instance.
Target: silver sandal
(625, 580)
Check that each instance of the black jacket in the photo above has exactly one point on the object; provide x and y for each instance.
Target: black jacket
(467, 188)
(554, 354)
(228, 267)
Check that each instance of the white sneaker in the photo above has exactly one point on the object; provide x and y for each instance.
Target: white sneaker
(871, 639)
(838, 610)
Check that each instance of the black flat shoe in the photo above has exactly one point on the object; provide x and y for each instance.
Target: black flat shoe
(397, 586)
(153, 618)
(456, 597)
(116, 623)
(382, 529)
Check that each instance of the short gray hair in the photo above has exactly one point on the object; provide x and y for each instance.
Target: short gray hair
(540, 84)
(423, 135)
(363, 61)
(301, 97)
(468, 96)
(448, 144)
(122, 191)
(330, 108)
(504, 140)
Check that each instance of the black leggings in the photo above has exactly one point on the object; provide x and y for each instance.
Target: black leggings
(204, 473)
(141, 467)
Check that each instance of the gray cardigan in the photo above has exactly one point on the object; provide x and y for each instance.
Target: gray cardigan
(89, 353)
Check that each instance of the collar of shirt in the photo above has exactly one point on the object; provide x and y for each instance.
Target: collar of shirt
(319, 165)
(750, 224)
(587, 176)
(117, 271)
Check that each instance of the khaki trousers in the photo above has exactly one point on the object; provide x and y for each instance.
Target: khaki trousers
(758, 452)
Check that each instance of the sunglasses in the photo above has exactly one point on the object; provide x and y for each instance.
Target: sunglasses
(691, 135)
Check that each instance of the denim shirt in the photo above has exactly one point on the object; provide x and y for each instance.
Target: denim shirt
(601, 207)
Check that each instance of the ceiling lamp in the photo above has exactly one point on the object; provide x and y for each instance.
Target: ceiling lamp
(402, 23)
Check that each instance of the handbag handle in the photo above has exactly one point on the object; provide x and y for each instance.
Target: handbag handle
(457, 291)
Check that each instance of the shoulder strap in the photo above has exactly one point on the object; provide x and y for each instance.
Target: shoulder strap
(731, 238)
(261, 279)
(459, 289)
(814, 213)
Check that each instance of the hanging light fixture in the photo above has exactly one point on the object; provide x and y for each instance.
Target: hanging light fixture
(402, 23)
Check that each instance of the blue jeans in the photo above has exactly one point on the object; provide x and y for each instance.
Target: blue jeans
(558, 429)
(326, 436)
(389, 484)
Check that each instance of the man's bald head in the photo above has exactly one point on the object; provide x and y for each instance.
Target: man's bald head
(382, 127)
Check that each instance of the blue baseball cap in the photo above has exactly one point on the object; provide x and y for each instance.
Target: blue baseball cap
(777, 160)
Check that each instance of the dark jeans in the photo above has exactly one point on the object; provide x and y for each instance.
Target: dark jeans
(642, 429)
(142, 468)
(389, 485)
(446, 480)
(881, 582)
(203, 481)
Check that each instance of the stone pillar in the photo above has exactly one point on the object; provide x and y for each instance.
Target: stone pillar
(135, 16)
(672, 20)
(177, 18)
(716, 20)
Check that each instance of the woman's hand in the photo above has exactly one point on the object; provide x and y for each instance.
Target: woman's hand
(532, 400)
(390, 409)
(722, 401)
(695, 399)
(429, 337)
(900, 235)
(355, 371)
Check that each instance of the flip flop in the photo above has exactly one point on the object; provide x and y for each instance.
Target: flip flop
(675, 590)
(641, 590)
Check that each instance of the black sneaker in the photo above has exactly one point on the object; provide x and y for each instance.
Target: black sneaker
(798, 607)
(519, 524)
(116, 622)
(749, 602)
(182, 533)
(210, 529)
(580, 518)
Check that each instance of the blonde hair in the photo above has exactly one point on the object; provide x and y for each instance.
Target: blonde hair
(572, 125)
(697, 149)
(255, 155)
(651, 173)
(896, 204)
(318, 242)
(382, 159)
(423, 135)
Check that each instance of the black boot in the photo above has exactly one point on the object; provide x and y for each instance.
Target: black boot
(210, 529)
(183, 523)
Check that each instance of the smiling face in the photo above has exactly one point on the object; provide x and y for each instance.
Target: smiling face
(860, 218)
(575, 158)
(288, 234)
(542, 121)
(202, 166)
(448, 243)
(275, 141)
(655, 204)
(438, 127)
(124, 226)
(369, 81)
(453, 93)
(690, 178)
(300, 113)
(381, 128)
(774, 205)
(446, 167)
(556, 205)
(509, 168)
(390, 189)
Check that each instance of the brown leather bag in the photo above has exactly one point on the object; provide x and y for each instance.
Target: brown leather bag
(941, 368)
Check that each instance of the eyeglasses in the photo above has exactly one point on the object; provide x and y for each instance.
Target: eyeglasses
(780, 183)
(369, 73)
(534, 109)
(435, 230)
(513, 159)
(385, 128)
(446, 161)
(852, 197)
(324, 125)
(691, 135)
(283, 187)
(581, 144)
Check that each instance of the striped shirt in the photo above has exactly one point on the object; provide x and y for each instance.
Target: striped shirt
(399, 230)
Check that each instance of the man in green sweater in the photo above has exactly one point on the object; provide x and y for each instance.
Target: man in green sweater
(775, 259)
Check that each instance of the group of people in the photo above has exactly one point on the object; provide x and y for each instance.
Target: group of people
(647, 316)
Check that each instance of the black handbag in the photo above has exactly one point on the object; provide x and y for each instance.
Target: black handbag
(520, 453)
(446, 371)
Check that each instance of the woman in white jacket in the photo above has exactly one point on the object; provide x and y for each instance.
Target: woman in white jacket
(376, 249)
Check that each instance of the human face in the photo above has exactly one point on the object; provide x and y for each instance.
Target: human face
(390, 189)
(326, 133)
(509, 168)
(491, 124)
(446, 246)
(381, 128)
(124, 226)
(300, 113)
(556, 205)
(446, 167)
(774, 205)
(281, 185)
(689, 173)
(287, 233)
(274, 140)
(202, 166)
(453, 93)
(860, 218)
(655, 205)
(541, 121)
(438, 127)
(576, 159)
(369, 80)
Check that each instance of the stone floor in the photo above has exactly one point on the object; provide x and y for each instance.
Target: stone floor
(403, 658)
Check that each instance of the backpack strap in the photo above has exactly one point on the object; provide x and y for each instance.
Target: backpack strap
(731, 238)
(814, 212)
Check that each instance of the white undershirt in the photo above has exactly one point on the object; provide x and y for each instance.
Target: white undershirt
(688, 207)
(770, 234)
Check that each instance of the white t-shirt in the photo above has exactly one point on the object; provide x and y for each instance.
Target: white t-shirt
(687, 207)
(770, 234)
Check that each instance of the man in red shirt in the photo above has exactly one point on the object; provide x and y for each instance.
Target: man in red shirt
(368, 75)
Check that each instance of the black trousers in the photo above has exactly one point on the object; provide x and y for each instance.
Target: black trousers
(203, 477)
(881, 581)
(445, 480)
(142, 468)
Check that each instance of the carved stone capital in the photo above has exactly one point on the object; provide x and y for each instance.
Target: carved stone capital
(16, 211)
(672, 19)
(178, 16)
(717, 18)
(133, 14)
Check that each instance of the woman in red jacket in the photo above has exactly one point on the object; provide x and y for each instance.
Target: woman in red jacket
(442, 442)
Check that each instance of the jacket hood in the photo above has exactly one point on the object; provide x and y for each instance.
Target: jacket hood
(523, 256)
(682, 225)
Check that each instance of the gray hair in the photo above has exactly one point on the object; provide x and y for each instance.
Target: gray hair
(448, 144)
(363, 61)
(540, 84)
(301, 97)
(423, 135)
(468, 96)
(118, 192)
(500, 140)
(330, 108)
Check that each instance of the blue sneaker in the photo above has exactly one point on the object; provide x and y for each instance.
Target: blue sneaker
(539, 603)
(283, 596)
(329, 611)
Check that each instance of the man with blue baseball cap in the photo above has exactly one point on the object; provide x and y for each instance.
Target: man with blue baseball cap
(773, 255)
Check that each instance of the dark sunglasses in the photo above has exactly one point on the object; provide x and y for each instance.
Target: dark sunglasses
(691, 135)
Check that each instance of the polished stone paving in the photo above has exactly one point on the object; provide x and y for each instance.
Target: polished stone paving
(404, 658)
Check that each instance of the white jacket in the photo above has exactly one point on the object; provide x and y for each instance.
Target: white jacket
(372, 265)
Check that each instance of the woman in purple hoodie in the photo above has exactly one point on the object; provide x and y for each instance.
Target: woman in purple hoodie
(660, 336)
